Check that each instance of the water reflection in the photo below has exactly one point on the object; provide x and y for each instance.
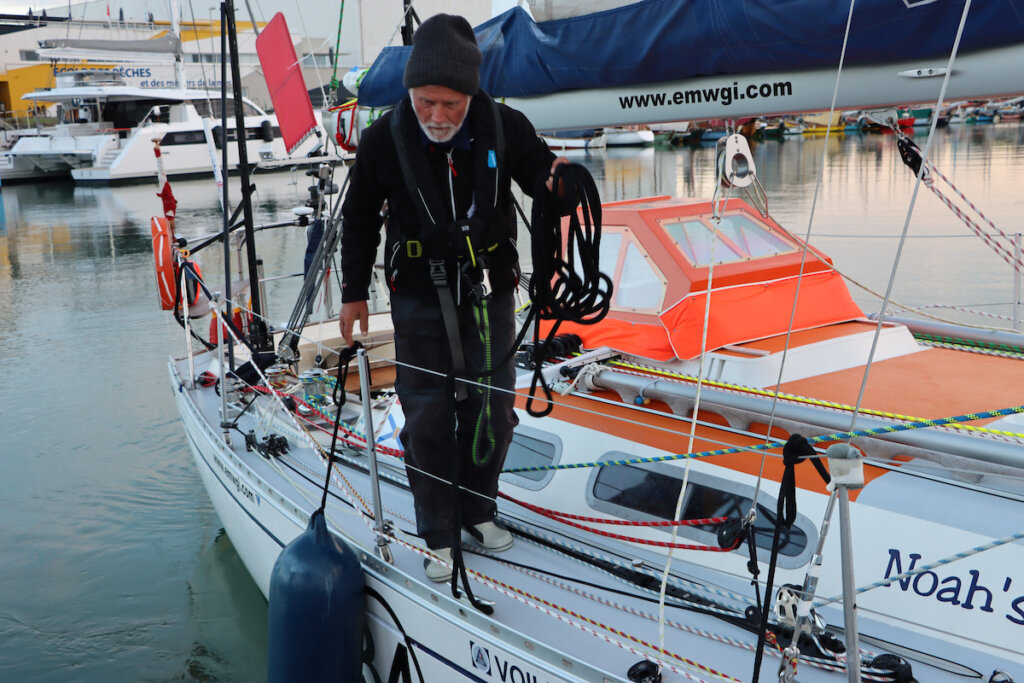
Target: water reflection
(221, 592)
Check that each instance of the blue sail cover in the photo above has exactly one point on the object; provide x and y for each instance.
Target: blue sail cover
(668, 40)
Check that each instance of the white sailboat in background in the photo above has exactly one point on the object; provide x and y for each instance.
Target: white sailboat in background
(664, 532)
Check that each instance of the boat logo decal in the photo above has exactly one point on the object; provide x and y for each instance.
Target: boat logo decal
(481, 657)
(956, 591)
(726, 95)
(240, 486)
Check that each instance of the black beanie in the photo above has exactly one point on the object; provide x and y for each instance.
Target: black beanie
(444, 52)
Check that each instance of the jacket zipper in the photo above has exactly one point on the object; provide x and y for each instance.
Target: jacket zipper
(451, 182)
(394, 266)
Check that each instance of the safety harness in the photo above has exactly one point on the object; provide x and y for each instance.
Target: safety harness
(455, 250)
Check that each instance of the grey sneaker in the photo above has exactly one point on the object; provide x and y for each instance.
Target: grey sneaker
(490, 536)
(436, 571)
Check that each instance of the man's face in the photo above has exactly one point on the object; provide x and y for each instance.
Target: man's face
(440, 110)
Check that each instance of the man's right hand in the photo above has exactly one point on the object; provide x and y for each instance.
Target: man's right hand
(350, 313)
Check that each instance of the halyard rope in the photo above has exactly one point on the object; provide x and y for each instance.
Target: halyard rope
(566, 518)
(1015, 263)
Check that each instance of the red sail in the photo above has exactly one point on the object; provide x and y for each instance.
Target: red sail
(287, 88)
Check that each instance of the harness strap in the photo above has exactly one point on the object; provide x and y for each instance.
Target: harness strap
(439, 277)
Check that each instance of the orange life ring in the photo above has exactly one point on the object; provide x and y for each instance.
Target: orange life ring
(167, 269)
(163, 256)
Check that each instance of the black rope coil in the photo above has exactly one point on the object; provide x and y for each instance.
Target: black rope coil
(567, 283)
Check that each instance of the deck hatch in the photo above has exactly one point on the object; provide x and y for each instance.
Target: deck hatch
(532, 447)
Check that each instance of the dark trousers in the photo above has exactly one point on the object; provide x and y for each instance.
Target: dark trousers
(445, 439)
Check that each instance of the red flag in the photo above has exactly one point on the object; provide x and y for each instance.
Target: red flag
(108, 12)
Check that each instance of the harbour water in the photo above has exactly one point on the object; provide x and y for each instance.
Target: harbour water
(114, 564)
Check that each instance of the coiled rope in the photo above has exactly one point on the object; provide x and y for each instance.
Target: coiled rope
(567, 283)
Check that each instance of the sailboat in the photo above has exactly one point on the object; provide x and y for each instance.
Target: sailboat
(742, 474)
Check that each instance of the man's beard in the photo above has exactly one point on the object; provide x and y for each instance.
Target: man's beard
(441, 132)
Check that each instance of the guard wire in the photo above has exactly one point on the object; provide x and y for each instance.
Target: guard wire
(181, 307)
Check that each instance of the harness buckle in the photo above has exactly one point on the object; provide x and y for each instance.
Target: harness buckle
(413, 248)
(438, 273)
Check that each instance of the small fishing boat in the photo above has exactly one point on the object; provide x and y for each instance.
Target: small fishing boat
(922, 117)
(679, 463)
(820, 124)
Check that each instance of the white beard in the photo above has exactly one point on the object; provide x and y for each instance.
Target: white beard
(444, 132)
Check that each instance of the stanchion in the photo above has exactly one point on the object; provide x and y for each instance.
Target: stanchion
(383, 549)
(847, 470)
(222, 335)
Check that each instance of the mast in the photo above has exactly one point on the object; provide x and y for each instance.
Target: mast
(179, 56)
(258, 328)
(408, 13)
(224, 199)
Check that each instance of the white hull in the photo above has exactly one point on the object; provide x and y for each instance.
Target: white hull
(628, 138)
(108, 130)
(442, 631)
(263, 505)
(557, 144)
(108, 158)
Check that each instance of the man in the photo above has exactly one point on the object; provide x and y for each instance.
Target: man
(442, 161)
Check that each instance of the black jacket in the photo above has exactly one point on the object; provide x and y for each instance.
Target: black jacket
(376, 176)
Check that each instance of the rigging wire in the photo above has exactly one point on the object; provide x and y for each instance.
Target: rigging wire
(316, 69)
(807, 238)
(202, 62)
(916, 423)
(691, 437)
(401, 23)
(910, 212)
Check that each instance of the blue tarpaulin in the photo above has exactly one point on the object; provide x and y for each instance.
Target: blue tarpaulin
(668, 40)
